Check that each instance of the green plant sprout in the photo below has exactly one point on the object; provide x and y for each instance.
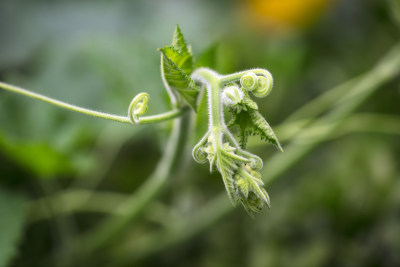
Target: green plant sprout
(239, 168)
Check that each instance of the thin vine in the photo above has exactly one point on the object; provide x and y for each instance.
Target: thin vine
(137, 107)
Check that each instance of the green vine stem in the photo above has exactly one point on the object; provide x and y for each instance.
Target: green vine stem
(135, 204)
(238, 167)
(75, 201)
(137, 107)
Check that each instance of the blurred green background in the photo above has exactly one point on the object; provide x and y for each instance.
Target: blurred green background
(335, 191)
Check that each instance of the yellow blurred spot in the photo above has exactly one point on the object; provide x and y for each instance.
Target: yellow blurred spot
(286, 13)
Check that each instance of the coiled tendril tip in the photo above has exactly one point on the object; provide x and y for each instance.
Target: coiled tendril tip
(249, 81)
(137, 107)
(264, 87)
(259, 82)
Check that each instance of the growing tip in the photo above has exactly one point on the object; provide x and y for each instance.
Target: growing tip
(280, 147)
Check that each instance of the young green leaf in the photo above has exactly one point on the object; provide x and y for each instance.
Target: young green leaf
(177, 65)
(178, 41)
(227, 163)
(183, 60)
(250, 191)
(249, 121)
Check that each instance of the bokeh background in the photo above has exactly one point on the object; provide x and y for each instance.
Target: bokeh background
(335, 191)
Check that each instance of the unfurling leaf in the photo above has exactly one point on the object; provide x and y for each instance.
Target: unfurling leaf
(177, 65)
(250, 191)
(249, 121)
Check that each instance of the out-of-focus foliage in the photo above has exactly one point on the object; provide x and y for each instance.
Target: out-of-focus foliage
(12, 214)
(337, 206)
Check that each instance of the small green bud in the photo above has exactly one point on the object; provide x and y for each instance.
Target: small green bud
(232, 95)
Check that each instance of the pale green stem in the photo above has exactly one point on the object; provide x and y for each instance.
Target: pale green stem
(162, 116)
(125, 119)
(75, 200)
(217, 125)
(318, 105)
(216, 119)
(363, 122)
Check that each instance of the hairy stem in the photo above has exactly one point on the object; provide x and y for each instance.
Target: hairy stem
(360, 122)
(216, 119)
(125, 119)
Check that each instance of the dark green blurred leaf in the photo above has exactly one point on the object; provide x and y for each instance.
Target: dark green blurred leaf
(394, 8)
(12, 214)
(39, 158)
